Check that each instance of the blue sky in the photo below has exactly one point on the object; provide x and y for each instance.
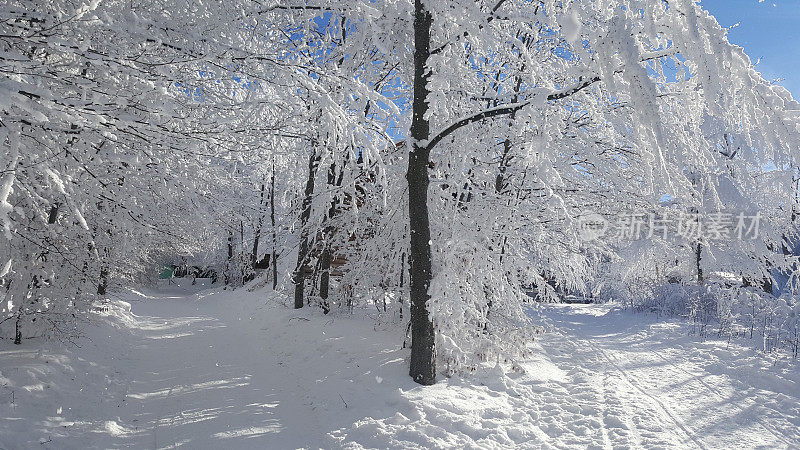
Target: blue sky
(769, 30)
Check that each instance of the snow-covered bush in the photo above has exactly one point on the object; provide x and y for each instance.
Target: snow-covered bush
(728, 311)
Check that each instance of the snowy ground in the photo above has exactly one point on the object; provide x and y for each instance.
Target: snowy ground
(210, 370)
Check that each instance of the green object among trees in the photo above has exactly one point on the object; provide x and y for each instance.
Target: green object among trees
(166, 272)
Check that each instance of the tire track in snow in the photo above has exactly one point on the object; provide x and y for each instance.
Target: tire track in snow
(712, 391)
(604, 429)
(631, 419)
(565, 403)
(689, 436)
(591, 363)
(635, 439)
(702, 398)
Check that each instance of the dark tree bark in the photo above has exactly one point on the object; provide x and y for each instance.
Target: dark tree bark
(302, 252)
(766, 285)
(227, 274)
(423, 357)
(325, 277)
(53, 216)
(18, 330)
(326, 257)
(257, 231)
(102, 286)
(274, 229)
(402, 281)
(698, 253)
(244, 270)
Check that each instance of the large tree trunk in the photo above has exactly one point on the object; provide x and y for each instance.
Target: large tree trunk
(423, 362)
(302, 252)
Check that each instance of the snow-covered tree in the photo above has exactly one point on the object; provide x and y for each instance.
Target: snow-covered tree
(448, 150)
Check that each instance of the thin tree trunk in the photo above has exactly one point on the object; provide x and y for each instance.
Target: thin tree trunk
(302, 252)
(402, 281)
(257, 231)
(227, 274)
(423, 363)
(325, 277)
(18, 329)
(698, 251)
(53, 216)
(327, 250)
(242, 267)
(274, 229)
(103, 285)
(698, 259)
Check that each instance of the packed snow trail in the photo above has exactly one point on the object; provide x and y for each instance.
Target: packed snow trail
(233, 370)
(657, 387)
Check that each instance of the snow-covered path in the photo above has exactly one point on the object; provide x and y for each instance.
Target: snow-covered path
(210, 372)
(213, 370)
(652, 386)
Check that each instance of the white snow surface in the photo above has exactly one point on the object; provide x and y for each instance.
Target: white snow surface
(221, 369)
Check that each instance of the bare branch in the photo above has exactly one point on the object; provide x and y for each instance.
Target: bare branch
(508, 109)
